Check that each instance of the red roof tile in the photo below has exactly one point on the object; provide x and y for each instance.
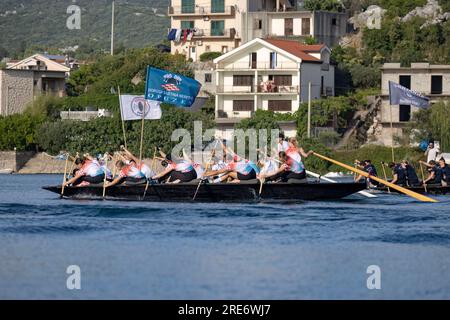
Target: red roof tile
(297, 48)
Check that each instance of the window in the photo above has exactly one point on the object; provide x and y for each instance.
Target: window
(207, 48)
(217, 6)
(436, 84)
(208, 77)
(257, 24)
(334, 22)
(273, 60)
(218, 28)
(405, 113)
(243, 105)
(253, 60)
(224, 49)
(242, 80)
(306, 26)
(280, 105)
(187, 6)
(187, 24)
(282, 80)
(405, 81)
(288, 26)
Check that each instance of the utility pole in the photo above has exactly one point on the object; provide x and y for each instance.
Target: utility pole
(112, 27)
(309, 109)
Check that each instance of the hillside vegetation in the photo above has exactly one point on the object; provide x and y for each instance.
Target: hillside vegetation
(42, 23)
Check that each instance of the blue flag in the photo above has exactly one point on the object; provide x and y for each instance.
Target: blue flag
(401, 95)
(171, 88)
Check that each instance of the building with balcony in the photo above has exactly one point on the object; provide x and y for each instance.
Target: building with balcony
(432, 81)
(222, 25)
(287, 19)
(216, 25)
(270, 74)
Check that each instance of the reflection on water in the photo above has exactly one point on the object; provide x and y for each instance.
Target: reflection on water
(188, 251)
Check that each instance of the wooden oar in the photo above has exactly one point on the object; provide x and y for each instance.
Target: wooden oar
(365, 174)
(206, 169)
(65, 175)
(73, 162)
(151, 168)
(423, 177)
(385, 176)
(104, 181)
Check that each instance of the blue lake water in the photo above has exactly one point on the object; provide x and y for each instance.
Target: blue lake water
(312, 250)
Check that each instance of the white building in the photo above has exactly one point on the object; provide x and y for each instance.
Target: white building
(270, 74)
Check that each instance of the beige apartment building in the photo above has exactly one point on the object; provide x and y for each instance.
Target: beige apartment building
(432, 81)
(223, 25)
(216, 25)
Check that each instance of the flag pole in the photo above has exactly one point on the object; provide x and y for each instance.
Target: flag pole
(392, 136)
(142, 136)
(123, 121)
(392, 126)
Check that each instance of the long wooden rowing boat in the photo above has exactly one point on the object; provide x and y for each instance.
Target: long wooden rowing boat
(223, 192)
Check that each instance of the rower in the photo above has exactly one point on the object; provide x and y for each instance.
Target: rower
(239, 170)
(89, 172)
(290, 168)
(445, 172)
(130, 158)
(127, 173)
(283, 145)
(435, 173)
(398, 173)
(368, 167)
(411, 175)
(183, 171)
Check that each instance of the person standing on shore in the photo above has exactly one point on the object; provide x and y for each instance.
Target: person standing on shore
(432, 152)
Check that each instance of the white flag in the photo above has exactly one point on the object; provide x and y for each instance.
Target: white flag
(137, 108)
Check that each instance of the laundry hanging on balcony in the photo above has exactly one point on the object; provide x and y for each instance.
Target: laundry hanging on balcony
(181, 35)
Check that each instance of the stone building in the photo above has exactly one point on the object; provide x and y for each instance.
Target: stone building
(18, 87)
(432, 81)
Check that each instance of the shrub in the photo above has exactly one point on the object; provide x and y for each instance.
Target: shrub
(209, 56)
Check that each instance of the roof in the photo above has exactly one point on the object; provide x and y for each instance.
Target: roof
(53, 65)
(297, 48)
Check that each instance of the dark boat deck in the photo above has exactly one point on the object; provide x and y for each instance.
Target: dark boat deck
(224, 192)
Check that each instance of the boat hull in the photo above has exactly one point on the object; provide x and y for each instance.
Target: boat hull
(431, 189)
(214, 192)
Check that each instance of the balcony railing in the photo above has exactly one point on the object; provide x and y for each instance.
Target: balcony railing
(269, 89)
(201, 11)
(215, 33)
(260, 65)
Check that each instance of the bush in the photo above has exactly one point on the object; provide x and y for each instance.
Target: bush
(209, 56)
(19, 131)
(105, 134)
(377, 154)
(313, 163)
(365, 77)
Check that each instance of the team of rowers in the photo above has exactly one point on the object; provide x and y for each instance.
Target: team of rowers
(231, 168)
(404, 173)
